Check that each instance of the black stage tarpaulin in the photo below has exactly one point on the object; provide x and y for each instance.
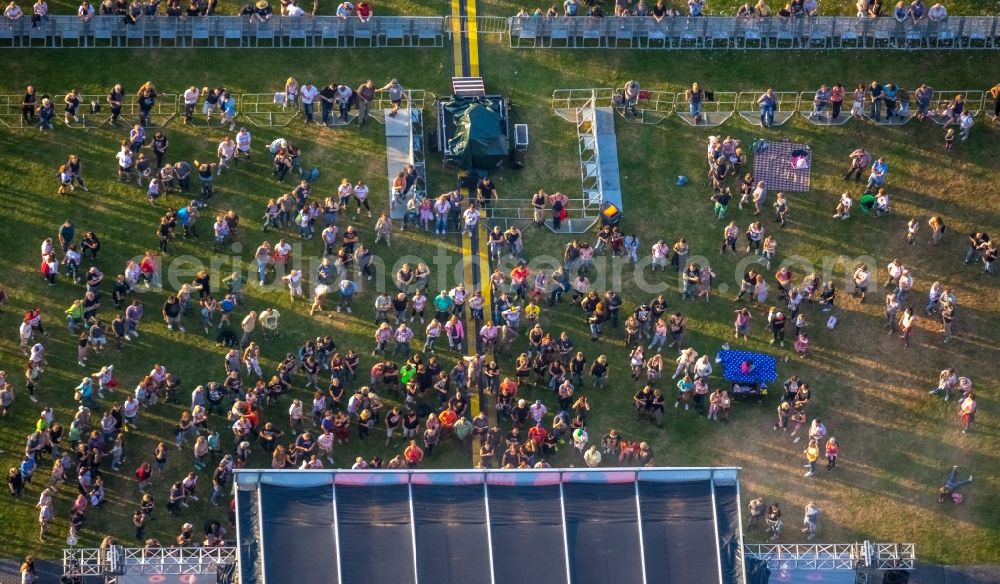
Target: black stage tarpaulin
(526, 528)
(452, 544)
(678, 532)
(298, 523)
(553, 526)
(727, 512)
(247, 535)
(601, 533)
(376, 543)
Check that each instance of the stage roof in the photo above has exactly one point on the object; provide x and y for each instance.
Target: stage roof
(574, 526)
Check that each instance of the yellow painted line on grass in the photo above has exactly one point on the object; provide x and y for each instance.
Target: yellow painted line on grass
(473, 33)
(471, 333)
(456, 37)
(484, 271)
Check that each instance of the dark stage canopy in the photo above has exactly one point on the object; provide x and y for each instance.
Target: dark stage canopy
(573, 526)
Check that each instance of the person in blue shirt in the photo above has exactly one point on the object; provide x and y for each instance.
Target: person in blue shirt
(820, 101)
(86, 389)
(877, 178)
(767, 103)
(889, 93)
(27, 468)
(443, 305)
(325, 272)
(347, 291)
(571, 8)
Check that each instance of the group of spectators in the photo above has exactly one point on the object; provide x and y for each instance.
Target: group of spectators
(131, 11)
(916, 11)
(434, 410)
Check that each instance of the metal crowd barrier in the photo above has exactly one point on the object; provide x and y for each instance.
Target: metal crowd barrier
(834, 32)
(224, 31)
(655, 106)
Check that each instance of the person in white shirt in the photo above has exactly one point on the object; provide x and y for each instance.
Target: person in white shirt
(190, 102)
(85, 11)
(343, 99)
(307, 95)
(361, 197)
(660, 251)
(965, 122)
(861, 276)
(294, 10)
(843, 207)
(937, 13)
(895, 270)
(345, 10)
(226, 150)
(294, 280)
(125, 162)
(243, 139)
(471, 216)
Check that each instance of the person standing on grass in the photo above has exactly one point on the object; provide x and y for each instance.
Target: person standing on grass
(906, 322)
(967, 410)
(774, 522)
(777, 319)
(812, 514)
(811, 453)
(832, 451)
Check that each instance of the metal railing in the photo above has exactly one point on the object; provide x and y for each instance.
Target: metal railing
(830, 556)
(484, 25)
(224, 31)
(259, 109)
(266, 109)
(118, 560)
(826, 32)
(567, 102)
(819, 556)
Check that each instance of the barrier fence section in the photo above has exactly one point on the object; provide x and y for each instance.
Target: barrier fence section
(825, 32)
(224, 31)
(654, 106)
(485, 25)
(266, 109)
(122, 561)
(942, 103)
(11, 110)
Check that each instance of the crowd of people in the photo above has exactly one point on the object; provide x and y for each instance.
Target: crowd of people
(131, 12)
(916, 11)
(240, 409)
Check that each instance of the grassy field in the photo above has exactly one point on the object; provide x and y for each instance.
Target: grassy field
(897, 443)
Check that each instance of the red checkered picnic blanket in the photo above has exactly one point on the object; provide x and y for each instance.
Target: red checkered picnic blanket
(783, 166)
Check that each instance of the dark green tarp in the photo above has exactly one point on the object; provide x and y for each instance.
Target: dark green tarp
(480, 139)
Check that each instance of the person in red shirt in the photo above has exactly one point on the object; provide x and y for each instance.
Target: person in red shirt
(147, 269)
(519, 280)
(447, 417)
(508, 387)
(413, 454)
(538, 434)
(363, 11)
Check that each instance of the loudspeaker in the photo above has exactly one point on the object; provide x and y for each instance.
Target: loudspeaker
(896, 577)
